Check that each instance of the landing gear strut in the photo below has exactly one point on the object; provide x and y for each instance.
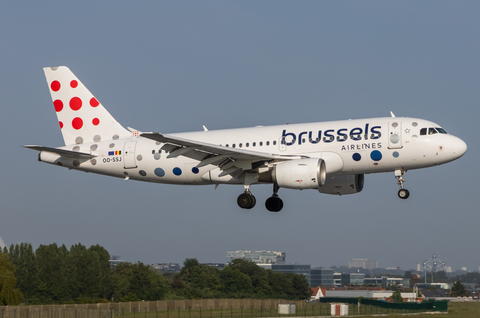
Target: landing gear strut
(402, 193)
(246, 200)
(274, 203)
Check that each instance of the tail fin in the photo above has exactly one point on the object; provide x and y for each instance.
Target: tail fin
(81, 117)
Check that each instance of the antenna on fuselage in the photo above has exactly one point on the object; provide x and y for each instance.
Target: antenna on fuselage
(391, 113)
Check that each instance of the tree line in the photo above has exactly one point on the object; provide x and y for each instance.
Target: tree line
(54, 274)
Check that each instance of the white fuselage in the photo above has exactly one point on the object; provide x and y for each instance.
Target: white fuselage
(364, 146)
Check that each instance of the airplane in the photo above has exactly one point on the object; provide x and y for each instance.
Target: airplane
(331, 157)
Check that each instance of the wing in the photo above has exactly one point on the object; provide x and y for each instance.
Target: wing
(233, 161)
(62, 152)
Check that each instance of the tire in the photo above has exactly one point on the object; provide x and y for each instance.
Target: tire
(403, 194)
(274, 204)
(246, 201)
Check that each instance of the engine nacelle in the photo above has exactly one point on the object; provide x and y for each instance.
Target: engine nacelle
(339, 185)
(300, 174)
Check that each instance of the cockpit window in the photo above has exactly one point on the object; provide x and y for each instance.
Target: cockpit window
(441, 130)
(432, 131)
(423, 131)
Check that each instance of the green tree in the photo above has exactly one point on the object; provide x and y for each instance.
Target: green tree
(140, 280)
(23, 258)
(235, 283)
(280, 284)
(200, 280)
(458, 290)
(9, 295)
(397, 296)
(105, 274)
(52, 274)
(257, 274)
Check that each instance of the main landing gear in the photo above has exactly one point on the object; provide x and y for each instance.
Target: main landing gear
(274, 203)
(402, 193)
(246, 200)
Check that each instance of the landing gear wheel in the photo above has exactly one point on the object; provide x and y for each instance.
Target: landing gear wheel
(274, 204)
(403, 194)
(246, 201)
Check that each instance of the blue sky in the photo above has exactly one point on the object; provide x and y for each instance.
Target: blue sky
(173, 66)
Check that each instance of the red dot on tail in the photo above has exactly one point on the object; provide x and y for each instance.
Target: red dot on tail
(94, 102)
(96, 121)
(58, 105)
(77, 123)
(75, 103)
(55, 86)
(61, 124)
(73, 84)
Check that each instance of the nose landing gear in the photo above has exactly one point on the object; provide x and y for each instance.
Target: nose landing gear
(402, 193)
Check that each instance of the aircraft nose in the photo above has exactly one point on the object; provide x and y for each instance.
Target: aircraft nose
(459, 147)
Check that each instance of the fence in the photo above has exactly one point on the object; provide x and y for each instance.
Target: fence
(216, 308)
(165, 308)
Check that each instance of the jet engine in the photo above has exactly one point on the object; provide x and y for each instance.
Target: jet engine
(300, 174)
(345, 184)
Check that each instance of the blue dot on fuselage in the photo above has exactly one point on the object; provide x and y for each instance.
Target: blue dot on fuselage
(395, 154)
(177, 171)
(195, 170)
(159, 172)
(376, 155)
(356, 156)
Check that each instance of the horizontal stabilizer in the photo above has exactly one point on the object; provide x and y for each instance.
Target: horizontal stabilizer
(62, 152)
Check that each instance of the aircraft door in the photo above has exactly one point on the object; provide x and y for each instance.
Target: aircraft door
(395, 135)
(129, 155)
(282, 144)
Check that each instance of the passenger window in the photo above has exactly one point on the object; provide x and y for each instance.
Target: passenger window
(233, 146)
(423, 131)
(267, 143)
(247, 144)
(274, 142)
(226, 145)
(261, 143)
(254, 144)
(431, 131)
(240, 145)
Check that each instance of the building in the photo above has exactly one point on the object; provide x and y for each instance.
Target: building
(362, 263)
(337, 279)
(352, 279)
(115, 260)
(293, 269)
(167, 267)
(421, 286)
(321, 277)
(259, 257)
(372, 294)
(385, 282)
(471, 287)
(218, 266)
